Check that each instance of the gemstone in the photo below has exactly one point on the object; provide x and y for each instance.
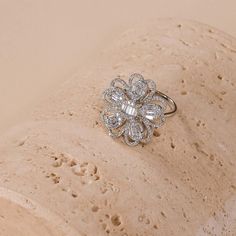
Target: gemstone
(115, 95)
(135, 77)
(113, 119)
(138, 89)
(151, 111)
(135, 131)
(129, 108)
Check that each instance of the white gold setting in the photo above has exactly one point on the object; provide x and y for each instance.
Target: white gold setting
(133, 110)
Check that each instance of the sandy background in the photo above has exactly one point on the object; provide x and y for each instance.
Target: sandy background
(42, 43)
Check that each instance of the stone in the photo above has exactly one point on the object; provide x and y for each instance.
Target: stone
(186, 190)
(151, 111)
(135, 131)
(113, 119)
(115, 95)
(138, 90)
(129, 108)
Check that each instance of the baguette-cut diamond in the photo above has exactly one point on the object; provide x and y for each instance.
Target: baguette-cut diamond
(151, 111)
(113, 119)
(129, 108)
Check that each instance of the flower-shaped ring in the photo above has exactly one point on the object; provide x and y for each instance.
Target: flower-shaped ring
(135, 109)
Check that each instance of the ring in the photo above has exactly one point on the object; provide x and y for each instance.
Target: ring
(134, 109)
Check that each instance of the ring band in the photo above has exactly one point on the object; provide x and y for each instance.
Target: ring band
(170, 102)
(134, 109)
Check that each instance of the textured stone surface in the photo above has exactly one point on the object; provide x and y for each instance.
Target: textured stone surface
(62, 167)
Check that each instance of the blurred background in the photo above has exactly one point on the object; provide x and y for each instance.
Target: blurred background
(43, 42)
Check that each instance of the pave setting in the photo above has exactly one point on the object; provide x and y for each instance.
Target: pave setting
(133, 110)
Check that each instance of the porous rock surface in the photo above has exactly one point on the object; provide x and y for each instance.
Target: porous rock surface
(61, 174)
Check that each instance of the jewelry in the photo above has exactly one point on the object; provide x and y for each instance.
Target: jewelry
(135, 109)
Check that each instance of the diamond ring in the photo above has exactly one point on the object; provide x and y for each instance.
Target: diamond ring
(134, 109)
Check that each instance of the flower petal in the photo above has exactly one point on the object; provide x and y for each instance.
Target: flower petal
(151, 90)
(128, 140)
(135, 130)
(138, 87)
(151, 111)
(148, 131)
(135, 77)
(114, 95)
(157, 99)
(112, 118)
(119, 83)
(115, 133)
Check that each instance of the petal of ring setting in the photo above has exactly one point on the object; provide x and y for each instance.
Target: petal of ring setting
(134, 109)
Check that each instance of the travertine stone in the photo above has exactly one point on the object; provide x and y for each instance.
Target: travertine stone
(62, 169)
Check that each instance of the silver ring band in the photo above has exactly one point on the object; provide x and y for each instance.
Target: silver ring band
(170, 102)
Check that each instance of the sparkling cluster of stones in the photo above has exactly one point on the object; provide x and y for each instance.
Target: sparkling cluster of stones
(133, 109)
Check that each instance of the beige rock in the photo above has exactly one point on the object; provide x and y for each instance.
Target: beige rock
(68, 177)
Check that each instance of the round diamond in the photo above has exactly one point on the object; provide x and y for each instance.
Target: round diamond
(138, 90)
(138, 86)
(113, 119)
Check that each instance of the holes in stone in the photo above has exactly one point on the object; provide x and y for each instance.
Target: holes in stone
(115, 220)
(233, 187)
(57, 163)
(156, 133)
(87, 171)
(198, 123)
(172, 145)
(155, 227)
(74, 195)
(147, 221)
(95, 209)
(21, 143)
(163, 214)
(199, 149)
(54, 177)
(72, 163)
(183, 93)
(212, 158)
(220, 163)
(220, 77)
